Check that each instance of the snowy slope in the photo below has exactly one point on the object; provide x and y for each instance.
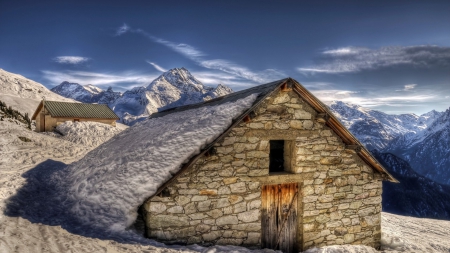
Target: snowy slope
(24, 94)
(34, 218)
(378, 130)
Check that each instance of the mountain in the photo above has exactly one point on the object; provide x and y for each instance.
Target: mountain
(86, 93)
(429, 151)
(24, 94)
(423, 141)
(415, 195)
(378, 130)
(173, 88)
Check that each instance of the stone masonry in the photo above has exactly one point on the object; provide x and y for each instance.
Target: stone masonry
(218, 200)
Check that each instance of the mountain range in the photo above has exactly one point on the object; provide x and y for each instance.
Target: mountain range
(423, 141)
(173, 88)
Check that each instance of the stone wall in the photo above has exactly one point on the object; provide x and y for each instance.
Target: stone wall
(218, 200)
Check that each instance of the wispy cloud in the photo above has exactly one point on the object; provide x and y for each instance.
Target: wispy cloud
(122, 80)
(156, 66)
(372, 100)
(355, 59)
(122, 29)
(409, 87)
(199, 58)
(73, 60)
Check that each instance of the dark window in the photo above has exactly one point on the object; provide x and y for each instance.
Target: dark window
(76, 120)
(276, 156)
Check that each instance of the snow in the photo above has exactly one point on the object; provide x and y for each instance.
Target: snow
(90, 134)
(33, 217)
(24, 94)
(118, 176)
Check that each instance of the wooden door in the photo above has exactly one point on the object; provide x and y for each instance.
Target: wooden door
(279, 217)
(42, 122)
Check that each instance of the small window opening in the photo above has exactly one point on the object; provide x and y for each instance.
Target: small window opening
(276, 156)
(76, 120)
(165, 193)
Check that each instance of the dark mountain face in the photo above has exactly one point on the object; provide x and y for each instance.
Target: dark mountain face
(415, 195)
(431, 156)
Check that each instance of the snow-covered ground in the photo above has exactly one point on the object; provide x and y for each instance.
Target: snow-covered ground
(31, 220)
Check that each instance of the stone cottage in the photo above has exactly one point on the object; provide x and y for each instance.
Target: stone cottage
(50, 114)
(286, 175)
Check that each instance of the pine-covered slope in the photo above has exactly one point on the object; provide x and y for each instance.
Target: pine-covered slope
(415, 195)
(24, 94)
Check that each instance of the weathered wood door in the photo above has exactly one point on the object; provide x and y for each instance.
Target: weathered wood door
(279, 217)
(42, 123)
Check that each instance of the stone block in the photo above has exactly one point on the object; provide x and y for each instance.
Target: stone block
(175, 209)
(233, 199)
(238, 187)
(349, 238)
(240, 207)
(190, 208)
(249, 216)
(167, 221)
(227, 220)
(253, 239)
(247, 226)
(157, 207)
(330, 160)
(210, 192)
(252, 195)
(188, 191)
(254, 125)
(282, 98)
(216, 213)
(325, 198)
(301, 114)
(202, 228)
(340, 231)
(223, 202)
(199, 198)
(211, 236)
(224, 190)
(255, 204)
(204, 205)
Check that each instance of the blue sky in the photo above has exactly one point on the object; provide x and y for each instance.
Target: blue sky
(392, 56)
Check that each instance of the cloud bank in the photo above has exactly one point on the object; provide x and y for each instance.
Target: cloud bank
(355, 59)
(73, 60)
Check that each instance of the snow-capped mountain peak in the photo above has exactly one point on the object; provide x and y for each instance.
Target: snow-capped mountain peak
(179, 78)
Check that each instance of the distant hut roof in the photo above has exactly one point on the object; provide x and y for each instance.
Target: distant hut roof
(76, 110)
